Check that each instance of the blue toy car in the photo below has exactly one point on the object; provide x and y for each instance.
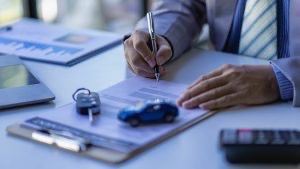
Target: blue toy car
(149, 112)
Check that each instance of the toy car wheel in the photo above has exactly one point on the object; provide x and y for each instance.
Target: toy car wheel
(169, 118)
(134, 122)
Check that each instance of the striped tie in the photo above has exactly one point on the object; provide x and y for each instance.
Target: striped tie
(259, 30)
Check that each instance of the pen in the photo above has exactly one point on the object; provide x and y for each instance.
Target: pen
(153, 43)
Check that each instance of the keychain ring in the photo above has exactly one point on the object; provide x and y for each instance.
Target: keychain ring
(78, 90)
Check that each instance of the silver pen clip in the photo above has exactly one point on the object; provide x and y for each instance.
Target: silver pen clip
(150, 25)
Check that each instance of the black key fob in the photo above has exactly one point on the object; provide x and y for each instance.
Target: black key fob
(86, 102)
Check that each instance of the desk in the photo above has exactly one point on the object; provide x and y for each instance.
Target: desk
(195, 148)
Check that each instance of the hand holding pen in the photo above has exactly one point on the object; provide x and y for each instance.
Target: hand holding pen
(140, 58)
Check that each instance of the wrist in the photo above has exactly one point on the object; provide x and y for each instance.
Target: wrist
(270, 82)
(274, 84)
(284, 84)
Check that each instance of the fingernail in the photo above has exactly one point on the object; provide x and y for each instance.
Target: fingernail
(202, 107)
(152, 63)
(185, 105)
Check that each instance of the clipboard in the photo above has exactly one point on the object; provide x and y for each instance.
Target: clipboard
(103, 154)
(109, 139)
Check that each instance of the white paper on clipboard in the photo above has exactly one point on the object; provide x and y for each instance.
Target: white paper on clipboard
(113, 99)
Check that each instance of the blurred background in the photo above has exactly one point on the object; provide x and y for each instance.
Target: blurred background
(117, 16)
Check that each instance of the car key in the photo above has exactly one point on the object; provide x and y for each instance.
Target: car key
(87, 103)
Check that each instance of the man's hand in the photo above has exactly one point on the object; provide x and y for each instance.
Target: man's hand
(232, 85)
(139, 56)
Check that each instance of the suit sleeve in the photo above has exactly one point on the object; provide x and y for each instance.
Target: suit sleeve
(179, 21)
(290, 68)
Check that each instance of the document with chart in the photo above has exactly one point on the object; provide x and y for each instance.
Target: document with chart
(111, 134)
(34, 40)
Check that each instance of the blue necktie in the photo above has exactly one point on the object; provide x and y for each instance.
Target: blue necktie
(259, 30)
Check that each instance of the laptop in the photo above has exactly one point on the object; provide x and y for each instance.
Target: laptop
(18, 86)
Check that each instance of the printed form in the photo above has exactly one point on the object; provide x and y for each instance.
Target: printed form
(113, 99)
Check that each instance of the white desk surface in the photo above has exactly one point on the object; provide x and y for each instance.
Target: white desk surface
(195, 148)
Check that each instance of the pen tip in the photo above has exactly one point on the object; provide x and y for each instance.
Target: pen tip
(157, 76)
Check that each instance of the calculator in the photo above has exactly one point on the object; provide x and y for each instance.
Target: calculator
(261, 145)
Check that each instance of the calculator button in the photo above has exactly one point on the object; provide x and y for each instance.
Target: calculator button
(296, 134)
(245, 137)
(277, 138)
(285, 135)
(263, 136)
(229, 136)
(294, 138)
(278, 141)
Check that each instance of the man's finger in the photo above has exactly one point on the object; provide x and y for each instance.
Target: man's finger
(162, 70)
(202, 87)
(140, 40)
(212, 94)
(136, 61)
(137, 65)
(210, 75)
(139, 71)
(143, 73)
(164, 52)
(223, 102)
